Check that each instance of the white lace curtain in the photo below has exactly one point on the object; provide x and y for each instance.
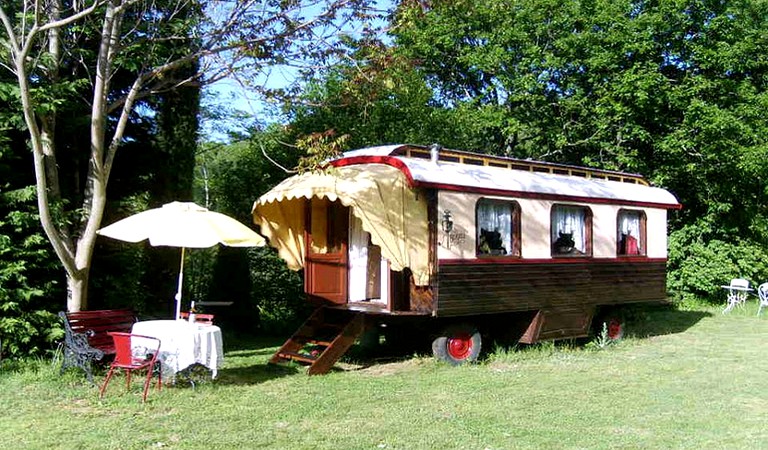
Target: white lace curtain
(570, 220)
(495, 216)
(629, 223)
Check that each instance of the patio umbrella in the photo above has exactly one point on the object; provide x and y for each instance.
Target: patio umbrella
(184, 225)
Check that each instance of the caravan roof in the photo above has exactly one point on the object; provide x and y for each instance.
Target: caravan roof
(494, 175)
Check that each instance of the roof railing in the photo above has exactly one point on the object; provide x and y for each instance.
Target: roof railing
(479, 159)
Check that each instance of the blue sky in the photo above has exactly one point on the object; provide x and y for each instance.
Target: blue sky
(231, 94)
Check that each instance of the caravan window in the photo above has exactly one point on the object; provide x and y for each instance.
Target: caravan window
(571, 230)
(498, 228)
(630, 233)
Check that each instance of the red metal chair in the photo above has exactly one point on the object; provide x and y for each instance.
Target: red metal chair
(124, 359)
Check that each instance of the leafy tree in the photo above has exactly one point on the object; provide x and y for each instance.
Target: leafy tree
(375, 98)
(101, 40)
(378, 96)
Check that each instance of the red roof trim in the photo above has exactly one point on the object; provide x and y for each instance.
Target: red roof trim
(388, 160)
(533, 261)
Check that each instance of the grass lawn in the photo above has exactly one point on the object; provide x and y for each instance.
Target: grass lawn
(680, 379)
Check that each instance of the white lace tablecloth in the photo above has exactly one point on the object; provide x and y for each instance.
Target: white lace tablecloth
(183, 344)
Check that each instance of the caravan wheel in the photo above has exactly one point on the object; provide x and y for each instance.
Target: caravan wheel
(457, 345)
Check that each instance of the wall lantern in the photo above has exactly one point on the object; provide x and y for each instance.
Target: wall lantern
(447, 222)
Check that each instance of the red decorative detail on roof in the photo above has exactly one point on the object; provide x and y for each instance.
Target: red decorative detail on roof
(388, 160)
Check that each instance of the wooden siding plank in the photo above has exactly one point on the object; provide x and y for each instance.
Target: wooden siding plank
(492, 288)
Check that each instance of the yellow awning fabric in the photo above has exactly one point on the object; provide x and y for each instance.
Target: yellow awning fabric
(379, 195)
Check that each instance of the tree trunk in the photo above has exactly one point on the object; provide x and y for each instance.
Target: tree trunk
(77, 290)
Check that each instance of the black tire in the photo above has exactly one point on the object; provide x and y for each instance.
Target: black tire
(457, 344)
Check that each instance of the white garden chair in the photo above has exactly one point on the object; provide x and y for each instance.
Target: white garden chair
(737, 293)
(762, 294)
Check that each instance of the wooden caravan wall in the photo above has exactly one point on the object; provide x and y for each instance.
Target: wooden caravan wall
(466, 288)
(535, 280)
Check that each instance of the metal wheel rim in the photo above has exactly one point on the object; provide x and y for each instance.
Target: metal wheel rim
(460, 346)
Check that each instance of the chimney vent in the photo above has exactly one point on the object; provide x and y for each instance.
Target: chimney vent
(434, 152)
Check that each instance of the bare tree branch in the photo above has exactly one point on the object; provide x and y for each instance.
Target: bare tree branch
(264, 152)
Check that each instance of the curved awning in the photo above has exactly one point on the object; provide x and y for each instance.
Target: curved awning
(379, 195)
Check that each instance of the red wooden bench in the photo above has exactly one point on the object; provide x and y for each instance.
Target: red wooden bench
(86, 339)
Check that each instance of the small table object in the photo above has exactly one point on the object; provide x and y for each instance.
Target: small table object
(737, 293)
(183, 344)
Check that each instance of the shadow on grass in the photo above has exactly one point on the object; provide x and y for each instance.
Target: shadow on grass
(644, 321)
(365, 359)
(239, 342)
(254, 374)
(251, 353)
(641, 321)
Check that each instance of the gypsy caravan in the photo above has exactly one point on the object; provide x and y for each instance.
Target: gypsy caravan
(448, 245)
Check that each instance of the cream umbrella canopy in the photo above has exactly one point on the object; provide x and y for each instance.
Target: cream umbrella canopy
(184, 225)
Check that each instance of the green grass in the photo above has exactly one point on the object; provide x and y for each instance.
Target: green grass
(689, 378)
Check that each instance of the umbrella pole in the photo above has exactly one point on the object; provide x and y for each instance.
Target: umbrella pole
(181, 281)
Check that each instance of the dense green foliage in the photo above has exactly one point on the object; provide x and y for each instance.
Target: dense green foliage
(702, 266)
(28, 290)
(28, 286)
(381, 97)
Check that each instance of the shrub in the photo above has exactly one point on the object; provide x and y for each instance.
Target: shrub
(697, 268)
(29, 292)
(278, 292)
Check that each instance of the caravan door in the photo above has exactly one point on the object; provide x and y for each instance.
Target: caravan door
(325, 274)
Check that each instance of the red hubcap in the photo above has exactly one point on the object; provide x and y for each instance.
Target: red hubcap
(460, 346)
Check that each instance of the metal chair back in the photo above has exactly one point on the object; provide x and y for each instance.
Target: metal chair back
(762, 294)
(134, 352)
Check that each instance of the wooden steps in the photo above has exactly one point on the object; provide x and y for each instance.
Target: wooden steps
(322, 340)
(300, 357)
